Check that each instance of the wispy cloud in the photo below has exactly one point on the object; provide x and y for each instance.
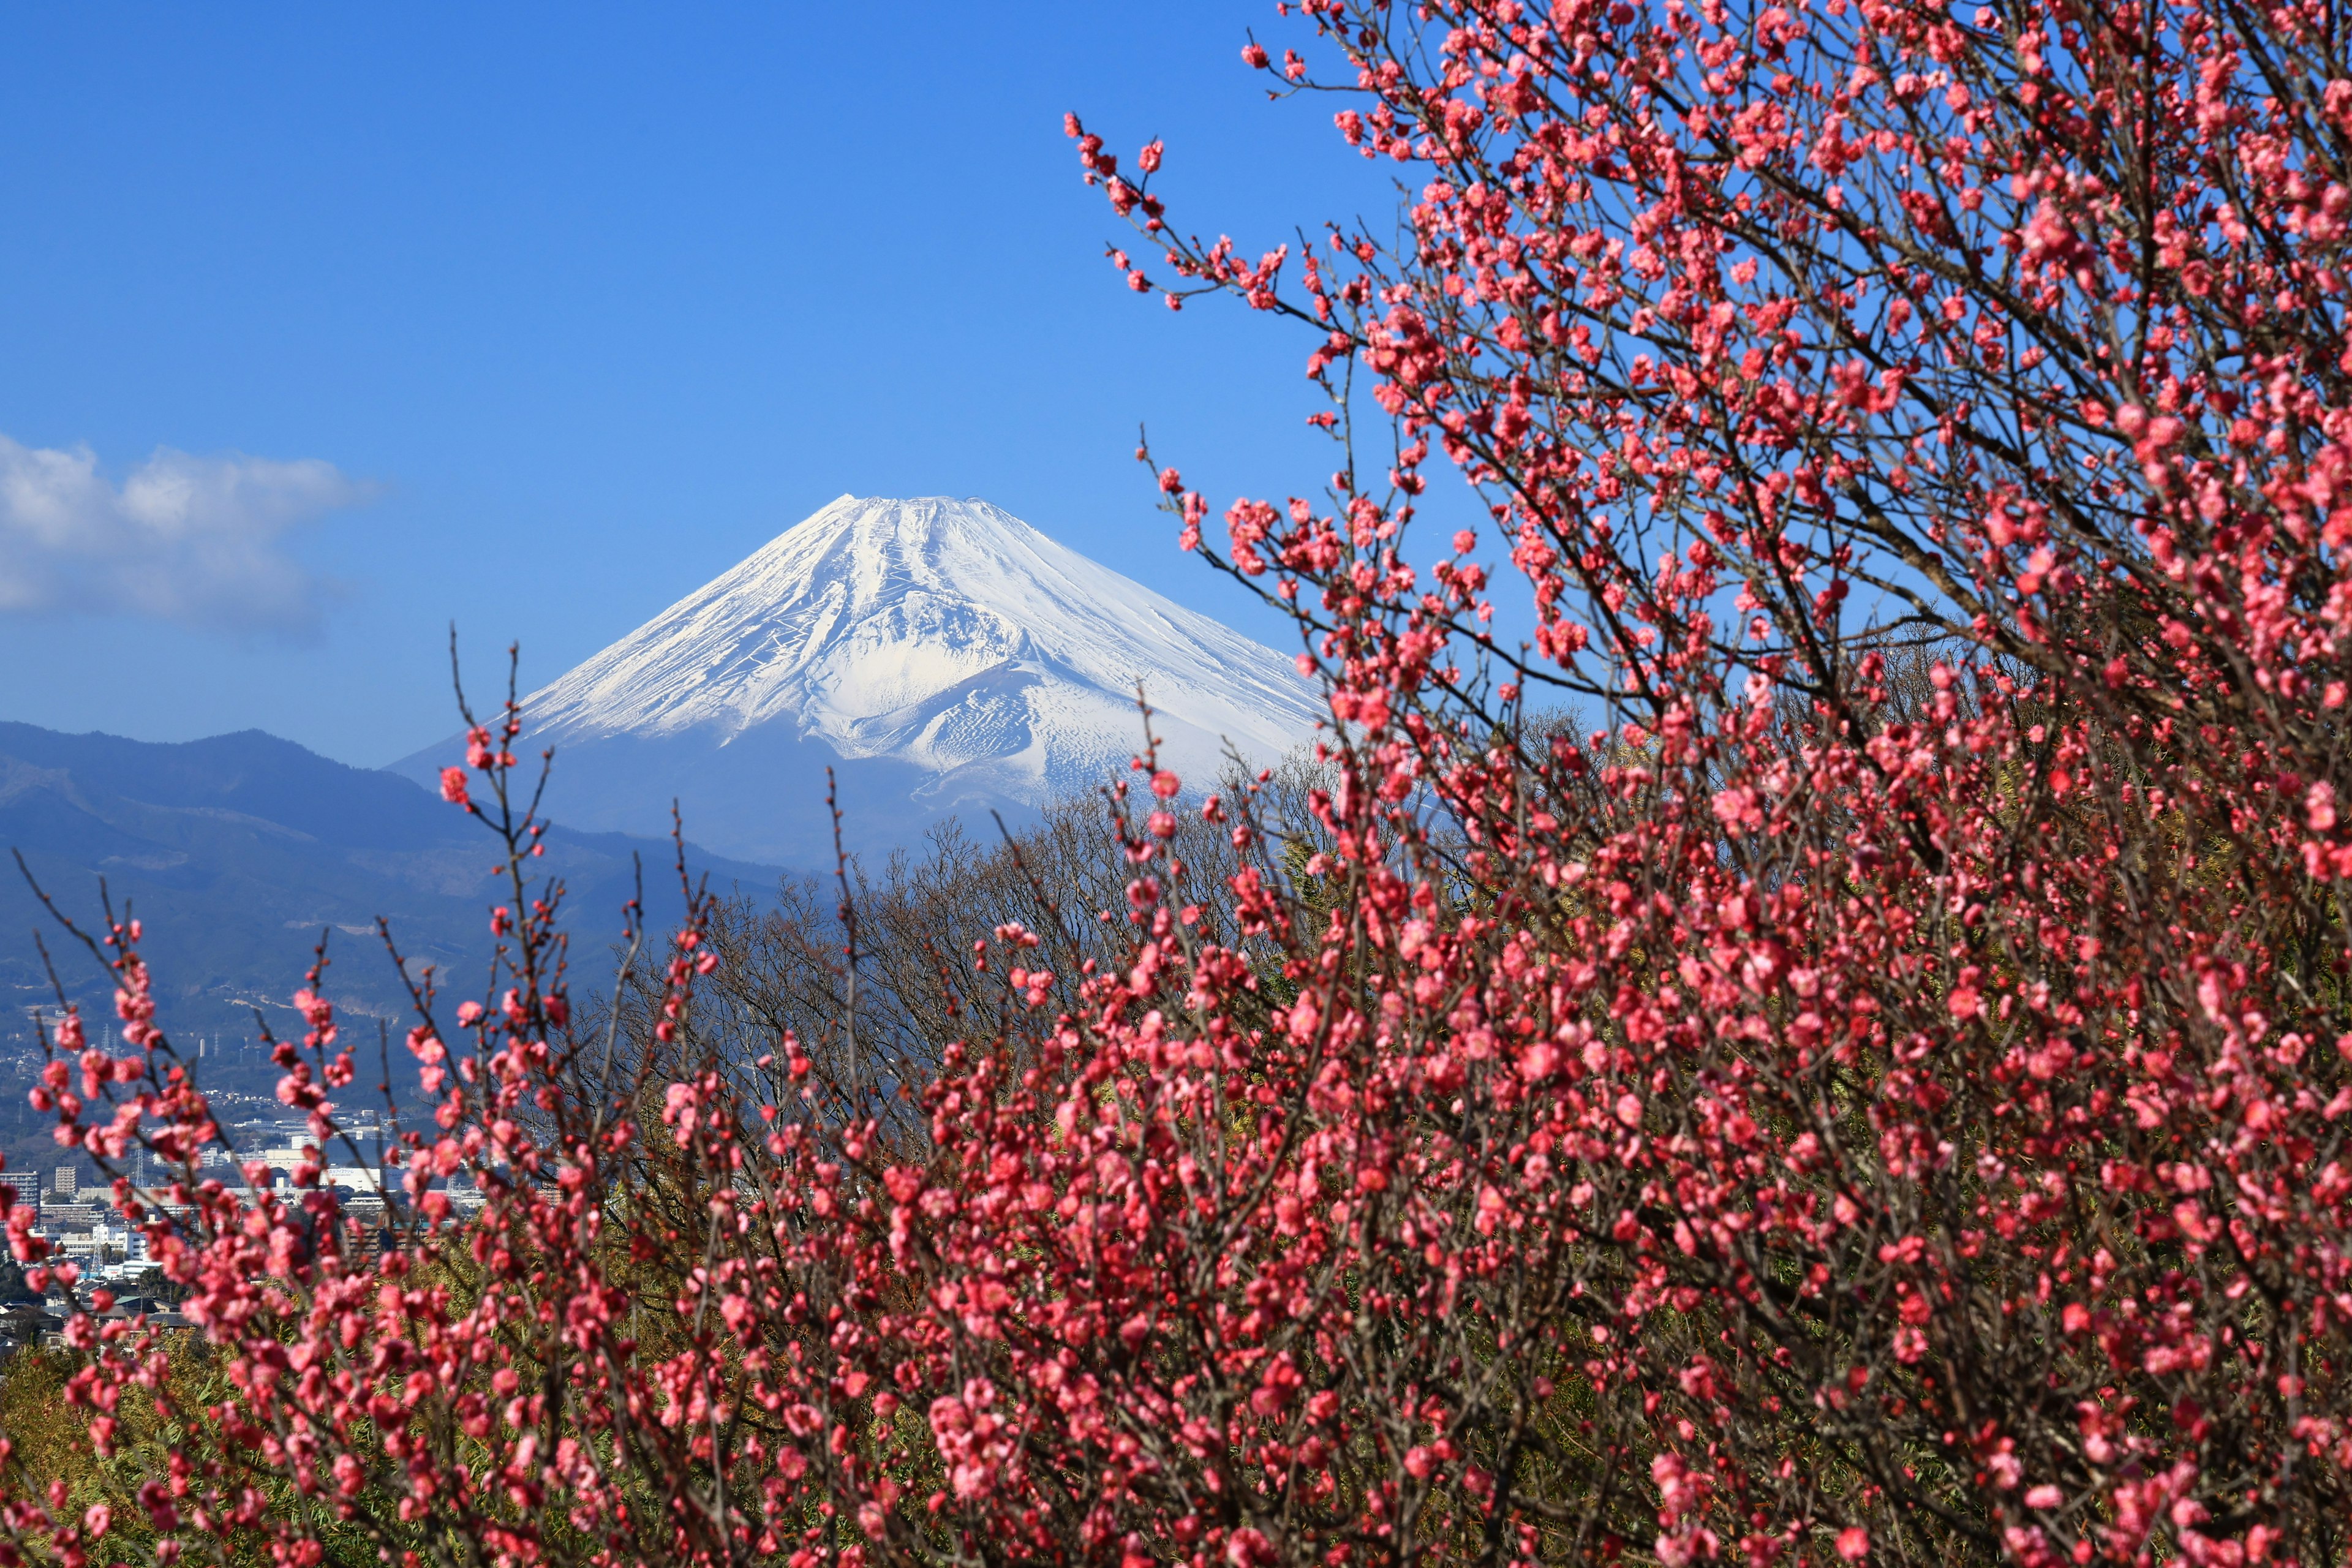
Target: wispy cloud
(200, 540)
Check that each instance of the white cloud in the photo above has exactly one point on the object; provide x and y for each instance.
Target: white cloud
(200, 540)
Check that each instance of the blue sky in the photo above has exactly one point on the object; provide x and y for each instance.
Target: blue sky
(546, 315)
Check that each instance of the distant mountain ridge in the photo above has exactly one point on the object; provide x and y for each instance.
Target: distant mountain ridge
(237, 851)
(942, 654)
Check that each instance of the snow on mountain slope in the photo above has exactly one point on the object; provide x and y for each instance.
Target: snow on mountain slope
(942, 654)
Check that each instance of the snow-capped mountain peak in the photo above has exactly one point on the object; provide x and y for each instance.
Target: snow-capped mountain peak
(943, 654)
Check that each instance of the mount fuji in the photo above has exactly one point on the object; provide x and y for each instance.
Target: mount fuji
(943, 655)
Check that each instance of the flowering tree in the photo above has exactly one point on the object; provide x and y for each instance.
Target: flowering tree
(1831, 1049)
(1952, 1083)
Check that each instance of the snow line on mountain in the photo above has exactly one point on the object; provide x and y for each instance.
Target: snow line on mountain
(943, 653)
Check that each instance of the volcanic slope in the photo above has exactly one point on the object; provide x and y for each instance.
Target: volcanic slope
(943, 655)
